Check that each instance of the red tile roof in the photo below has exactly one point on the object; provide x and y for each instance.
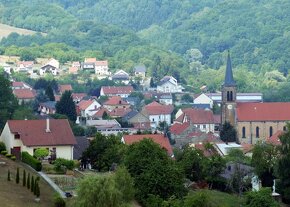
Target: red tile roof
(63, 88)
(79, 96)
(26, 63)
(275, 111)
(199, 116)
(179, 128)
(73, 70)
(157, 138)
(116, 100)
(17, 84)
(117, 90)
(155, 108)
(217, 118)
(101, 63)
(90, 60)
(100, 112)
(206, 152)
(119, 112)
(24, 93)
(33, 132)
(84, 104)
(274, 139)
(142, 125)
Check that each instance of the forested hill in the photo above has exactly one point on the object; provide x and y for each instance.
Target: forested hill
(256, 31)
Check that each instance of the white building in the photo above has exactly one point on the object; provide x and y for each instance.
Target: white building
(203, 99)
(169, 84)
(87, 108)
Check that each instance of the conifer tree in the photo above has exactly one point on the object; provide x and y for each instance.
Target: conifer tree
(17, 175)
(66, 106)
(49, 93)
(28, 181)
(32, 184)
(24, 178)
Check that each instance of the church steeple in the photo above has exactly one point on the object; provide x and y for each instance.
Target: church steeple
(229, 79)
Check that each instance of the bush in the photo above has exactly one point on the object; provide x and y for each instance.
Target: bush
(58, 201)
(2, 147)
(4, 152)
(61, 163)
(9, 155)
(28, 159)
(13, 158)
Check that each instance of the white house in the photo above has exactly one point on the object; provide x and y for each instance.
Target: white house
(157, 113)
(169, 84)
(25, 66)
(87, 108)
(52, 66)
(203, 99)
(102, 68)
(121, 76)
(7, 67)
(123, 91)
(28, 135)
(20, 85)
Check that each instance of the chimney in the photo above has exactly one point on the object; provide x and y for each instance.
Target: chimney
(47, 125)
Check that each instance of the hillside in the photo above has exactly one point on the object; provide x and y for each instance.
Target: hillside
(6, 30)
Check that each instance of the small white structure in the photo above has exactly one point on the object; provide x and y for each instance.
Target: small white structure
(169, 84)
(52, 66)
(203, 99)
(223, 148)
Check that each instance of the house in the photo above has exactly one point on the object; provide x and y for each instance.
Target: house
(119, 112)
(140, 71)
(157, 113)
(203, 99)
(102, 68)
(20, 85)
(87, 108)
(163, 98)
(65, 87)
(24, 66)
(47, 108)
(77, 97)
(122, 91)
(73, 70)
(275, 138)
(76, 64)
(159, 139)
(52, 67)
(24, 95)
(116, 102)
(100, 113)
(224, 148)
(29, 135)
(121, 76)
(202, 119)
(169, 84)
(7, 68)
(138, 120)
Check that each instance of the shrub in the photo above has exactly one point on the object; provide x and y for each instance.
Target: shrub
(9, 155)
(2, 147)
(58, 201)
(13, 158)
(61, 163)
(28, 159)
(4, 152)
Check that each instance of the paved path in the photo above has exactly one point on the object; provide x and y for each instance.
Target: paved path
(52, 184)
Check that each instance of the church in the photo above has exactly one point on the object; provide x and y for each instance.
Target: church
(253, 121)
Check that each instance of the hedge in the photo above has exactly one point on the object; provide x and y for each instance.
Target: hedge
(30, 160)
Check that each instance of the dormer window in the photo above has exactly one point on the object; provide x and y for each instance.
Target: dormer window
(16, 136)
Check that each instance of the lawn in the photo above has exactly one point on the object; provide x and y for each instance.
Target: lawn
(15, 195)
(5, 30)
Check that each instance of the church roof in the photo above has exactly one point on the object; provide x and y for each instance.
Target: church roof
(229, 79)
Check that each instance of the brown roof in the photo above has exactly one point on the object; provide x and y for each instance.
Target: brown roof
(275, 111)
(25, 63)
(116, 100)
(24, 93)
(274, 139)
(101, 63)
(63, 88)
(33, 132)
(157, 138)
(199, 116)
(78, 95)
(90, 60)
(84, 104)
(119, 112)
(100, 113)
(117, 89)
(142, 125)
(73, 70)
(179, 128)
(155, 108)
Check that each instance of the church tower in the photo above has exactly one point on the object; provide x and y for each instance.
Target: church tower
(229, 94)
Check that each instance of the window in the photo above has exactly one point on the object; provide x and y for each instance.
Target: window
(270, 131)
(244, 132)
(284, 128)
(257, 132)
(204, 126)
(228, 95)
(231, 96)
(16, 136)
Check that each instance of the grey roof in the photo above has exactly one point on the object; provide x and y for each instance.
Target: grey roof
(201, 106)
(120, 77)
(82, 144)
(164, 80)
(129, 115)
(140, 69)
(49, 104)
(229, 79)
(231, 168)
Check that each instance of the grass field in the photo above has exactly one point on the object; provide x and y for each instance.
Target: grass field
(5, 30)
(15, 195)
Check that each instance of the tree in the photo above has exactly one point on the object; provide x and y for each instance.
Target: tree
(24, 178)
(8, 102)
(49, 93)
(153, 171)
(264, 159)
(41, 153)
(283, 164)
(66, 106)
(198, 199)
(98, 191)
(186, 98)
(259, 198)
(124, 182)
(228, 133)
(103, 151)
(17, 175)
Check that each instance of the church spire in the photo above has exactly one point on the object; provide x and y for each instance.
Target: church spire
(229, 79)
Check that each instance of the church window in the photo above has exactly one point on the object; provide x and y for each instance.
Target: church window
(231, 96)
(228, 95)
(271, 131)
(257, 132)
(244, 132)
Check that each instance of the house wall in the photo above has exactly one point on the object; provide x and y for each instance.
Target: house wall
(8, 138)
(90, 110)
(139, 118)
(102, 70)
(112, 107)
(156, 119)
(205, 127)
(166, 101)
(264, 130)
(167, 87)
(203, 99)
